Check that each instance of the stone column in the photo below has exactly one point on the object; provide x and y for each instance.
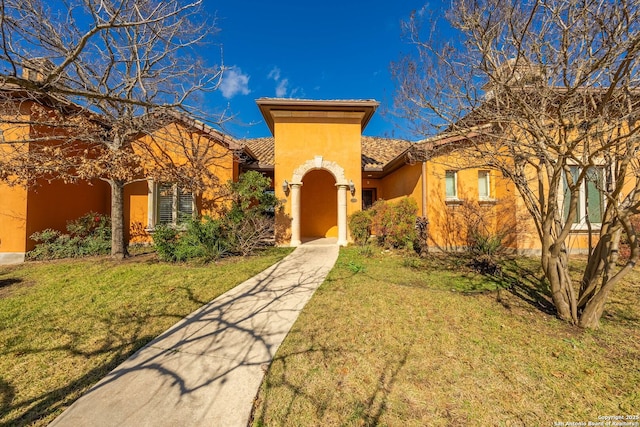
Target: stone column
(342, 214)
(424, 189)
(295, 213)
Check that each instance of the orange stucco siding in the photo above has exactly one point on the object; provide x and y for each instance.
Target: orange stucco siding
(49, 205)
(136, 212)
(406, 181)
(187, 149)
(13, 219)
(53, 204)
(299, 140)
(13, 199)
(319, 205)
(451, 219)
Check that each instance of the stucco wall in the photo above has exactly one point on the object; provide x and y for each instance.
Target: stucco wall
(182, 145)
(13, 200)
(406, 181)
(52, 205)
(13, 219)
(136, 212)
(319, 205)
(451, 219)
(302, 139)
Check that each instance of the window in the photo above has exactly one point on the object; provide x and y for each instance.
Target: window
(451, 184)
(368, 197)
(590, 201)
(484, 186)
(270, 211)
(173, 204)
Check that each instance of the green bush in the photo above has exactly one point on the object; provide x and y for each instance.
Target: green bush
(381, 220)
(88, 235)
(366, 251)
(206, 239)
(360, 226)
(484, 243)
(394, 223)
(165, 240)
(238, 230)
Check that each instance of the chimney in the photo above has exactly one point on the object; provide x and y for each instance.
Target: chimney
(37, 69)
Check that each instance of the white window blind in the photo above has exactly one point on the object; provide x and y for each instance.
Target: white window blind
(484, 186)
(451, 185)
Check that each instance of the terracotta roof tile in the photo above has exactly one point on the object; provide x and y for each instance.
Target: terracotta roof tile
(376, 152)
(262, 149)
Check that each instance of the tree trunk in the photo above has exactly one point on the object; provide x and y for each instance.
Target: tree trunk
(562, 294)
(590, 317)
(118, 241)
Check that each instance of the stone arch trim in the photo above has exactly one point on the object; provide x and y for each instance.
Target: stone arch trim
(319, 163)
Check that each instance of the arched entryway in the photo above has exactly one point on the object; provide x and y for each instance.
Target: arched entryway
(318, 205)
(318, 173)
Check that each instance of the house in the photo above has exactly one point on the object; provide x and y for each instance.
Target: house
(179, 149)
(322, 168)
(175, 149)
(47, 203)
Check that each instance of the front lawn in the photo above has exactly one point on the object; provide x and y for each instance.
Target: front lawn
(397, 341)
(65, 324)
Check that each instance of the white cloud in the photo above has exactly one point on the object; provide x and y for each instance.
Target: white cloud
(295, 91)
(281, 89)
(234, 82)
(274, 74)
(282, 85)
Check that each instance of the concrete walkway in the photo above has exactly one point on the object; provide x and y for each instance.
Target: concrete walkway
(206, 369)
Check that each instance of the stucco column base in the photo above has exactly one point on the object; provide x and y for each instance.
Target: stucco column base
(295, 214)
(342, 214)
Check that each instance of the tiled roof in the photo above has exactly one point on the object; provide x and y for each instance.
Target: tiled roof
(376, 152)
(262, 149)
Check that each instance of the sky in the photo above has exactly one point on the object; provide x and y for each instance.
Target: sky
(334, 49)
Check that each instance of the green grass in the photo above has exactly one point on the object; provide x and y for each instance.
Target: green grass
(65, 324)
(397, 341)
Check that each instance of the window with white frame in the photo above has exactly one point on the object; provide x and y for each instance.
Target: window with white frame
(590, 205)
(484, 185)
(173, 204)
(451, 185)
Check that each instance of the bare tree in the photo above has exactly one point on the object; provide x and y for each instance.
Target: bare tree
(100, 74)
(551, 89)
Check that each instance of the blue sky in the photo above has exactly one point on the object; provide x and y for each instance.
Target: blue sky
(334, 49)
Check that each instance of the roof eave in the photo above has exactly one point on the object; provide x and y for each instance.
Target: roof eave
(267, 105)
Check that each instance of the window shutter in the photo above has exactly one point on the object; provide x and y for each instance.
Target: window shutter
(185, 205)
(165, 204)
(594, 195)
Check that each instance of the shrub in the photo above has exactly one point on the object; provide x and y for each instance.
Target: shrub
(394, 223)
(239, 230)
(88, 235)
(422, 236)
(360, 226)
(381, 220)
(165, 240)
(251, 195)
(486, 264)
(254, 231)
(480, 243)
